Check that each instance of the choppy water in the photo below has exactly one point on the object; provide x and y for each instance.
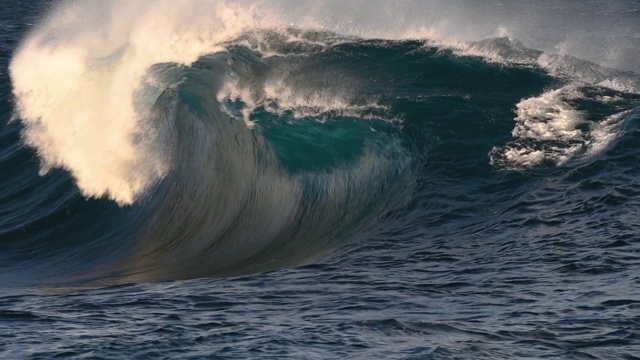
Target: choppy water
(423, 180)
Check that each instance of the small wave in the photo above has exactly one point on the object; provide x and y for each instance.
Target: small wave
(550, 130)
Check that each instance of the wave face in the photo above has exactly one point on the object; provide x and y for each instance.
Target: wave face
(176, 143)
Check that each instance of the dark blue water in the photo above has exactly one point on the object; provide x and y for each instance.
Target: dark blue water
(312, 192)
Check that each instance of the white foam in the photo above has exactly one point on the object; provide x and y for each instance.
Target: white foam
(523, 157)
(621, 85)
(287, 41)
(548, 129)
(603, 134)
(549, 117)
(280, 98)
(76, 76)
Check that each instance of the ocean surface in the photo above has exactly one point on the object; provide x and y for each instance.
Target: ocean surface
(206, 179)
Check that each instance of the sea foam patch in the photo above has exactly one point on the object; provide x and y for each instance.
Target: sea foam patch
(549, 130)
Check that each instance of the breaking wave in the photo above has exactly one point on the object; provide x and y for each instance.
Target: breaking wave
(226, 148)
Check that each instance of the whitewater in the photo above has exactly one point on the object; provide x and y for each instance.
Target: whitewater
(327, 179)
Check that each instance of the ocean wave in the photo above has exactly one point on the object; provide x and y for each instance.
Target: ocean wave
(216, 145)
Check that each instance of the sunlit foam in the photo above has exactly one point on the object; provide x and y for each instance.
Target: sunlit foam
(549, 130)
(75, 80)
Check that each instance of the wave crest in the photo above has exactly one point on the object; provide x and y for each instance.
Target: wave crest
(83, 88)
